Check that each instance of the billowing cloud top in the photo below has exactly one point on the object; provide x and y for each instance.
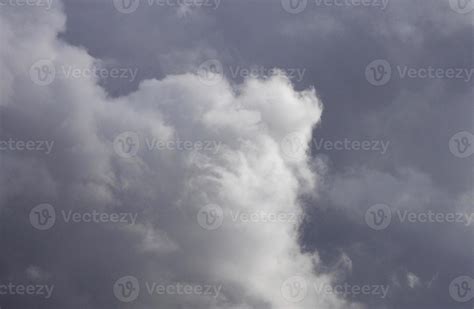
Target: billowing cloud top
(105, 158)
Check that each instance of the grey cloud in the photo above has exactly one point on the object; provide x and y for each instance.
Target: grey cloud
(333, 45)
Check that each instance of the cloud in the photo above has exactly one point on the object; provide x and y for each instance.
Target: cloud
(333, 45)
(166, 188)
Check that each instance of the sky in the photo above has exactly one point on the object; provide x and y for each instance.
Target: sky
(236, 154)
